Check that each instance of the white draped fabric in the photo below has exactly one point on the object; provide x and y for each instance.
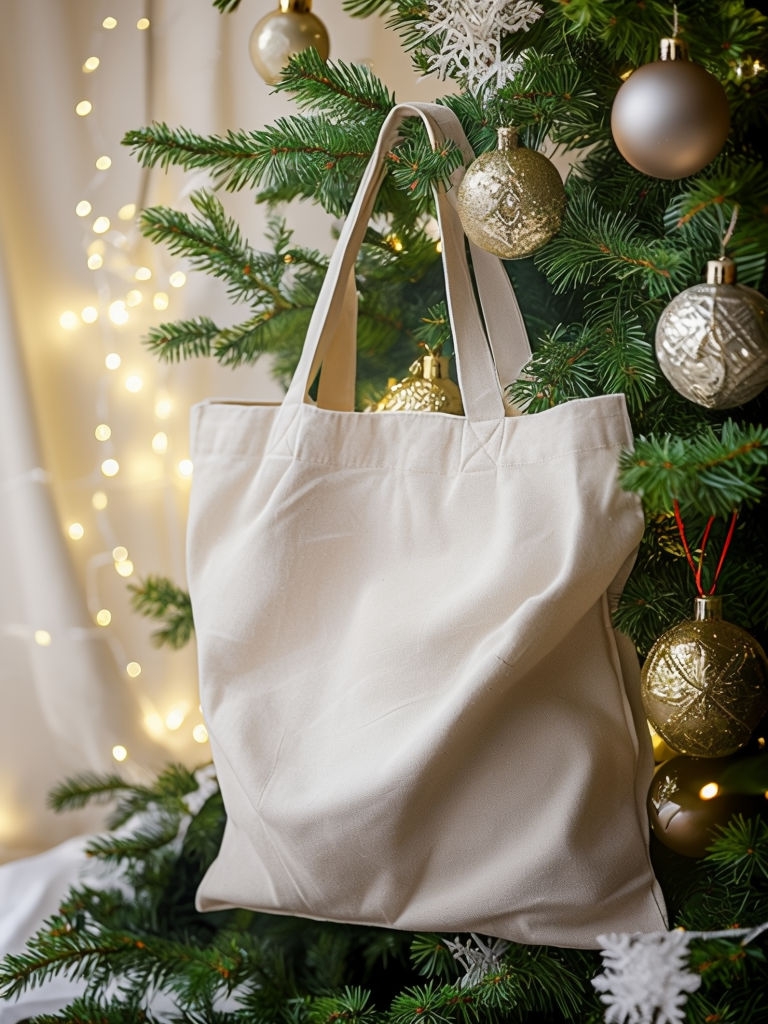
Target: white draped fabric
(81, 682)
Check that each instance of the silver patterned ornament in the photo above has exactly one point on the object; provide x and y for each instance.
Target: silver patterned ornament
(670, 118)
(704, 684)
(712, 340)
(511, 199)
(280, 34)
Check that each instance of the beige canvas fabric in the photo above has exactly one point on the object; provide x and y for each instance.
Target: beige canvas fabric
(419, 712)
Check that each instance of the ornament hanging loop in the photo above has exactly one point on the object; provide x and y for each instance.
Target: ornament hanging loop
(697, 569)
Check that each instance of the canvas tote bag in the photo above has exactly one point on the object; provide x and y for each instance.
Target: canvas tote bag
(419, 713)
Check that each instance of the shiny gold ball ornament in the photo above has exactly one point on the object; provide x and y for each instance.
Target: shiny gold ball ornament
(704, 684)
(428, 388)
(511, 200)
(687, 803)
(281, 33)
(670, 118)
(712, 340)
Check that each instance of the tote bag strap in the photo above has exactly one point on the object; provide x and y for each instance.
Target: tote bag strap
(328, 338)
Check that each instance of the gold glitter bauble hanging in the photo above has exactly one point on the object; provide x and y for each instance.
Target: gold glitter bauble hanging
(511, 200)
(428, 389)
(712, 340)
(704, 684)
(670, 118)
(282, 33)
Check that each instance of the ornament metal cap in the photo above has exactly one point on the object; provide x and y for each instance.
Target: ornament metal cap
(295, 6)
(672, 48)
(506, 136)
(708, 606)
(722, 271)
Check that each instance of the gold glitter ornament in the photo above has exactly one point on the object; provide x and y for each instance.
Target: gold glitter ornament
(428, 388)
(712, 340)
(670, 118)
(511, 200)
(280, 34)
(704, 684)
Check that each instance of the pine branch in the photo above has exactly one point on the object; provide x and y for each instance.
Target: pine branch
(595, 245)
(709, 473)
(89, 787)
(157, 597)
(212, 243)
(182, 339)
(342, 91)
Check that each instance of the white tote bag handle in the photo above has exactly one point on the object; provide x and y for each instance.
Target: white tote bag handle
(330, 340)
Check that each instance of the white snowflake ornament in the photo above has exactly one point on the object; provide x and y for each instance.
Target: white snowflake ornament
(470, 32)
(645, 977)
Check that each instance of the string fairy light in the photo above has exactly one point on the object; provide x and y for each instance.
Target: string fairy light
(121, 273)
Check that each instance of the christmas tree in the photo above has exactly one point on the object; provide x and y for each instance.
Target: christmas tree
(601, 302)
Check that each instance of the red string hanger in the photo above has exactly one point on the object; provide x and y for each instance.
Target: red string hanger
(698, 568)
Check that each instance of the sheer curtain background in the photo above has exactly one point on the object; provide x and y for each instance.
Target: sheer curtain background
(83, 687)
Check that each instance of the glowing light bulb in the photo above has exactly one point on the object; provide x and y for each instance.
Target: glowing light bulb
(163, 408)
(95, 261)
(43, 638)
(83, 108)
(119, 753)
(110, 467)
(103, 162)
(103, 432)
(185, 468)
(143, 274)
(89, 314)
(709, 790)
(120, 553)
(134, 383)
(112, 361)
(127, 212)
(200, 733)
(124, 569)
(142, 24)
(117, 312)
(103, 617)
(101, 225)
(177, 279)
(83, 208)
(90, 64)
(69, 320)
(76, 531)
(133, 669)
(109, 23)
(160, 300)
(160, 442)
(99, 500)
(134, 297)
(153, 724)
(175, 719)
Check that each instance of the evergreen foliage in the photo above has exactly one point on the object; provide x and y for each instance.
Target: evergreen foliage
(132, 936)
(591, 299)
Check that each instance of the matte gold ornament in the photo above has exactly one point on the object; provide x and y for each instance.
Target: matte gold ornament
(511, 200)
(428, 388)
(704, 684)
(712, 340)
(670, 118)
(687, 803)
(281, 33)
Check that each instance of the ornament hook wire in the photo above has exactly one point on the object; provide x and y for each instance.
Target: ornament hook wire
(729, 230)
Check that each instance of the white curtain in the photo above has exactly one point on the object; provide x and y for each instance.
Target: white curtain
(81, 683)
